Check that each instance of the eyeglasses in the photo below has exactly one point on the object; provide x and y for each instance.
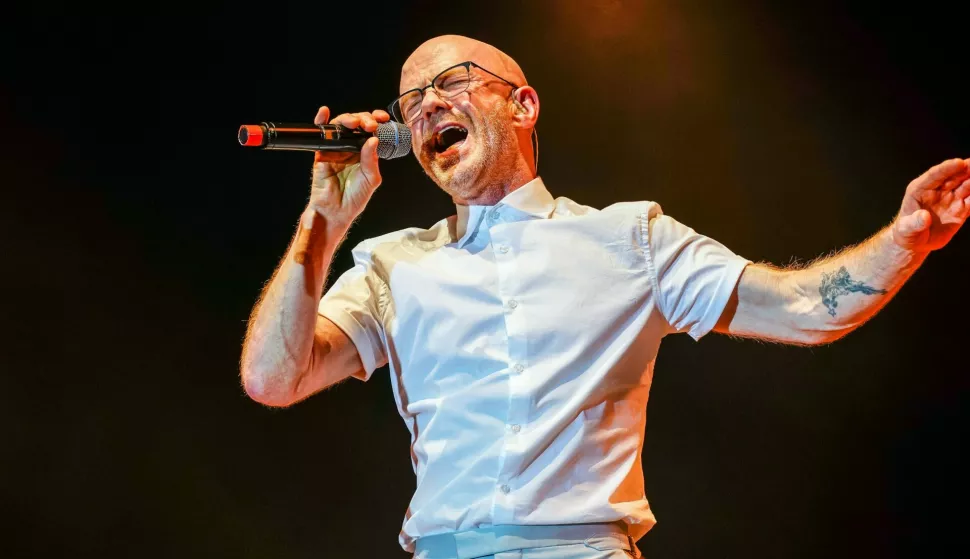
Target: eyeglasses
(449, 83)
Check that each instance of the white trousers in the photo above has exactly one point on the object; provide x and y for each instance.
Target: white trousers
(568, 541)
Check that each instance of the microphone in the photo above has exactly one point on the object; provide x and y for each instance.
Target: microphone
(394, 138)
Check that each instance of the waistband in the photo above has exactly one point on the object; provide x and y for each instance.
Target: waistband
(479, 542)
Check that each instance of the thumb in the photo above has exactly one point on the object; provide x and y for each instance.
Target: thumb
(368, 163)
(909, 229)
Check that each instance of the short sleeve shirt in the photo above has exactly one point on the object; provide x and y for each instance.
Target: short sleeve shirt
(521, 345)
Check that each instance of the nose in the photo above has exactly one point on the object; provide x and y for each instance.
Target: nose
(432, 102)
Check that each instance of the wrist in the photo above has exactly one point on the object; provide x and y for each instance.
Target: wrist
(892, 241)
(317, 237)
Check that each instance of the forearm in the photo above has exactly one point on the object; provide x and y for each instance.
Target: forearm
(834, 295)
(279, 341)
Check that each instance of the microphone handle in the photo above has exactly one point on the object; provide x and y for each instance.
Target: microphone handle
(303, 137)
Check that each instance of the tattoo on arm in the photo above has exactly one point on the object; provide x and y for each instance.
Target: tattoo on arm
(839, 283)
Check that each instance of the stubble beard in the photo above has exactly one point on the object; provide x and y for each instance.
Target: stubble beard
(488, 169)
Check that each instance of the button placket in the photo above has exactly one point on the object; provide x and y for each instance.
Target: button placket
(502, 240)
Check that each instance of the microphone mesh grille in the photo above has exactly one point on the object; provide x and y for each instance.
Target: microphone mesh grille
(394, 140)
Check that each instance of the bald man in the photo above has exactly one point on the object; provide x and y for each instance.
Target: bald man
(521, 332)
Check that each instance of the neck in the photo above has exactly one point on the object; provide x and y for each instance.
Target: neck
(492, 194)
(493, 191)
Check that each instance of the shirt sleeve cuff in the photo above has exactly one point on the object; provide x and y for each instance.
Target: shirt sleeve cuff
(370, 357)
(732, 273)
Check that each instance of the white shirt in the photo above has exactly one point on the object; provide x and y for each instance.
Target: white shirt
(521, 340)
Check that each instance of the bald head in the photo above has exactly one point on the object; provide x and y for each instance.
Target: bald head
(475, 143)
(434, 55)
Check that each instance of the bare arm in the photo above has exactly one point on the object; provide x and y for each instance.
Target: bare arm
(833, 296)
(823, 301)
(291, 352)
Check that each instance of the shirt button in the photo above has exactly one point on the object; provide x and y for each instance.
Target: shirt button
(515, 428)
(505, 489)
(503, 249)
(493, 215)
(519, 367)
(513, 303)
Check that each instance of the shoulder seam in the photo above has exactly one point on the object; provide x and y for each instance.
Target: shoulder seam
(645, 240)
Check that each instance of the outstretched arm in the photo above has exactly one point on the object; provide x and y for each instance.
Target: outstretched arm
(832, 296)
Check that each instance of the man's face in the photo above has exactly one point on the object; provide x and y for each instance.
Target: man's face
(465, 143)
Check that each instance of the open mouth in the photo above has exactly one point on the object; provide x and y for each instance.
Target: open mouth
(448, 137)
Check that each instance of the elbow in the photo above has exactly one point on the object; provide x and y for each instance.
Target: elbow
(264, 387)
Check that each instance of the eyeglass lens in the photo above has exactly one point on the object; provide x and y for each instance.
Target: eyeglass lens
(449, 83)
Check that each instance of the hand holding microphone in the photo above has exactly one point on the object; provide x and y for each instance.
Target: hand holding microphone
(394, 138)
(345, 166)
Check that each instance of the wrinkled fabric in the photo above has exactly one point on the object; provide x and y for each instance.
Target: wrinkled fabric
(521, 345)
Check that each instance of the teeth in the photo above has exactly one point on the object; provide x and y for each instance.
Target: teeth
(449, 136)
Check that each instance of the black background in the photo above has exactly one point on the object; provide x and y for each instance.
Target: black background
(137, 235)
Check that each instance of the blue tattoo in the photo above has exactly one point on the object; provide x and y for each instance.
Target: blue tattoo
(839, 283)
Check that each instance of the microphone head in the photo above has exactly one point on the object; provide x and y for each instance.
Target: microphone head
(394, 140)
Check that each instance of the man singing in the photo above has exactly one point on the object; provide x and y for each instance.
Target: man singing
(521, 333)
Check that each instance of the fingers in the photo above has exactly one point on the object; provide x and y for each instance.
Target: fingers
(958, 178)
(962, 191)
(940, 174)
(365, 121)
(347, 119)
(323, 115)
(369, 164)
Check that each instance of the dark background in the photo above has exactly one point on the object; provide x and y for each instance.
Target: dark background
(137, 235)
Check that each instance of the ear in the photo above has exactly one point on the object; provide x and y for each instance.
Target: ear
(525, 107)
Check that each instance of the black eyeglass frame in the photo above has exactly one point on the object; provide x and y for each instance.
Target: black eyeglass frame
(421, 90)
(467, 64)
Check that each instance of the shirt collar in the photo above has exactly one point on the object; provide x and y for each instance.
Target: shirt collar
(531, 199)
